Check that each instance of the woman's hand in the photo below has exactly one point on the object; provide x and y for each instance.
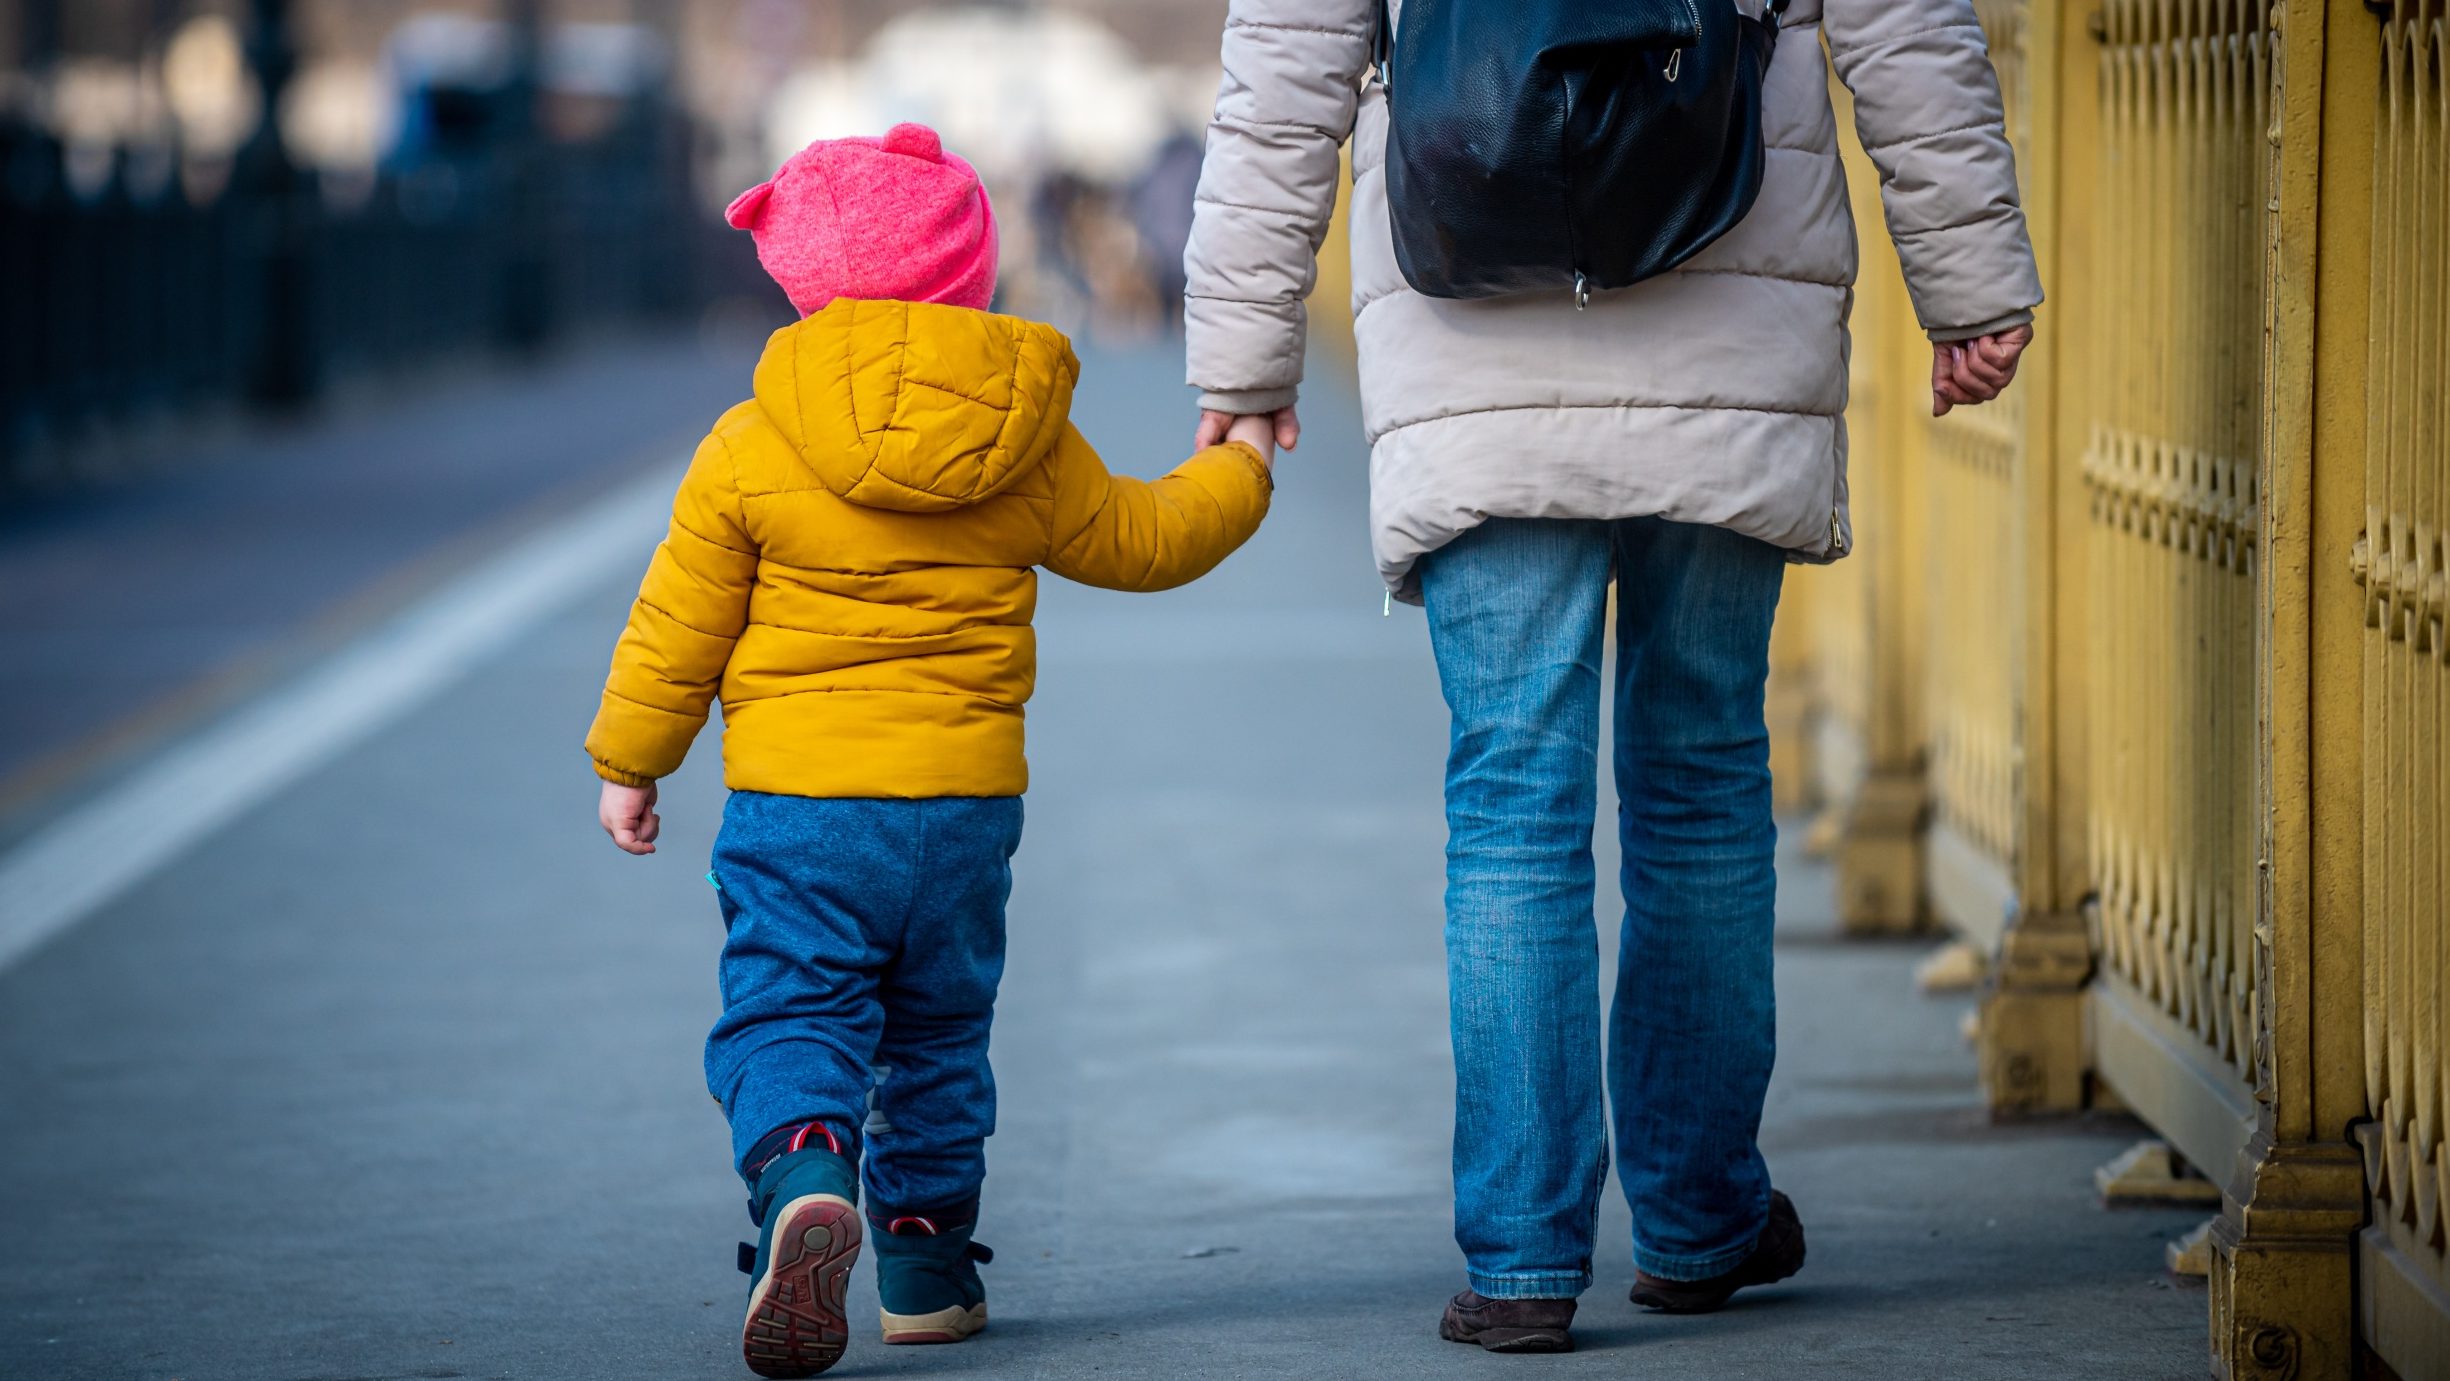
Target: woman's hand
(1212, 427)
(627, 813)
(1977, 370)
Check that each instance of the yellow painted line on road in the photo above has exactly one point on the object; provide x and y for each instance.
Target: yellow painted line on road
(93, 854)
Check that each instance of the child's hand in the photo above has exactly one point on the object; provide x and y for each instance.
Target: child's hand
(1258, 431)
(1286, 420)
(628, 815)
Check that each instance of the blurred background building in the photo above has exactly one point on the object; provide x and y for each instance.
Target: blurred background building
(215, 203)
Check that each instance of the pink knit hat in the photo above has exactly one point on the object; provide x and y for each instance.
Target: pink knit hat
(894, 218)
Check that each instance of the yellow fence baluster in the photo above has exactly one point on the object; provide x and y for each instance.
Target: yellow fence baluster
(1974, 570)
(2419, 824)
(2435, 915)
(1869, 741)
(2281, 1277)
(2244, 776)
(2404, 1279)
(2171, 717)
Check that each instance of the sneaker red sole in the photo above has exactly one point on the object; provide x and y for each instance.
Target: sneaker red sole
(796, 1325)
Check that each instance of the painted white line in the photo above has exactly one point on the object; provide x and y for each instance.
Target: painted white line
(73, 866)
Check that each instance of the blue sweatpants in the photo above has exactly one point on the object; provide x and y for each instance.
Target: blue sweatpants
(865, 936)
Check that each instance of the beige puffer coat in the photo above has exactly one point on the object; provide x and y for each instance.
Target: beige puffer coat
(1712, 394)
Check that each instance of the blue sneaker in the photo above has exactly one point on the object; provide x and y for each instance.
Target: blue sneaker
(806, 1206)
(927, 1280)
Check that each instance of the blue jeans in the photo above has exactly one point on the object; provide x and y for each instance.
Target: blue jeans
(860, 934)
(1517, 614)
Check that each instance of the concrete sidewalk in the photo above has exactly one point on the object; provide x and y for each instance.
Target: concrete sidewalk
(397, 1075)
(129, 609)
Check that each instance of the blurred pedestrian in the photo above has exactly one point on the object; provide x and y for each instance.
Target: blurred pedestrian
(1683, 436)
(1061, 279)
(850, 569)
(1161, 207)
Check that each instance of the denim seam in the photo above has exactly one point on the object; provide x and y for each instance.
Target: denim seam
(1512, 1285)
(916, 870)
(1691, 1267)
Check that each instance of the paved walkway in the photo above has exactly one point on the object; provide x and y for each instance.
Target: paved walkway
(395, 1074)
(210, 570)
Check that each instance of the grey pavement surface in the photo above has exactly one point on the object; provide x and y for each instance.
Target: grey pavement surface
(398, 1075)
(211, 568)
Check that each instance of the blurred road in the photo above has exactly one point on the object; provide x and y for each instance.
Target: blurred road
(210, 569)
(395, 1072)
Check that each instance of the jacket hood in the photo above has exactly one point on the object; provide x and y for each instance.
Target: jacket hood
(917, 406)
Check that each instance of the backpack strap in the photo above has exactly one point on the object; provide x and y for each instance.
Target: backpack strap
(1382, 46)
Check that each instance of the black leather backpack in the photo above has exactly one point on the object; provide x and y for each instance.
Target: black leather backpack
(1534, 145)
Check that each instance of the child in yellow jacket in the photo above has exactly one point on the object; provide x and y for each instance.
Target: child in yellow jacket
(851, 569)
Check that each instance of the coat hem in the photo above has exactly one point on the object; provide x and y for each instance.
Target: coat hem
(1431, 485)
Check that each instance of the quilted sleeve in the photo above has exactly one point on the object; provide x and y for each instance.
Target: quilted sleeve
(691, 607)
(1267, 187)
(1927, 107)
(1121, 533)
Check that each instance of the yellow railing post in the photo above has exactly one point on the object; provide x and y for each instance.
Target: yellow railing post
(1789, 707)
(1944, 741)
(2380, 664)
(2001, 730)
(1833, 668)
(2105, 678)
(1870, 741)
(2281, 1273)
(2171, 398)
(1948, 731)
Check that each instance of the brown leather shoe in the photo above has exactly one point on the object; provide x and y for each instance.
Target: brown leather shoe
(1777, 1255)
(1509, 1325)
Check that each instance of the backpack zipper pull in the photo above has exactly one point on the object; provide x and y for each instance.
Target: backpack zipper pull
(1386, 609)
(1582, 292)
(1675, 62)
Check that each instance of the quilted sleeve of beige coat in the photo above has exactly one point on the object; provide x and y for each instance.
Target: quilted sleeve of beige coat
(1927, 107)
(1266, 190)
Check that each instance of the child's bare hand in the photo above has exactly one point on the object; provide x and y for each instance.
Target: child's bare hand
(1258, 431)
(1287, 422)
(628, 815)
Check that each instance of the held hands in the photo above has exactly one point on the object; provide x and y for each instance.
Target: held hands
(1977, 370)
(1257, 431)
(627, 813)
(1284, 426)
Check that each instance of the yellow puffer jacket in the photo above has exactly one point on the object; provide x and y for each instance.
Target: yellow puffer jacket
(850, 564)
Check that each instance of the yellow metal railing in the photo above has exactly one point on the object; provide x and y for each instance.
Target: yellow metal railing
(1840, 667)
(2139, 681)
(2169, 464)
(1789, 707)
(1863, 672)
(2161, 758)
(1973, 463)
(2406, 691)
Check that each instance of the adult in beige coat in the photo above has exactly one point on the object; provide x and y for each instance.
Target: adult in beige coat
(1684, 438)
